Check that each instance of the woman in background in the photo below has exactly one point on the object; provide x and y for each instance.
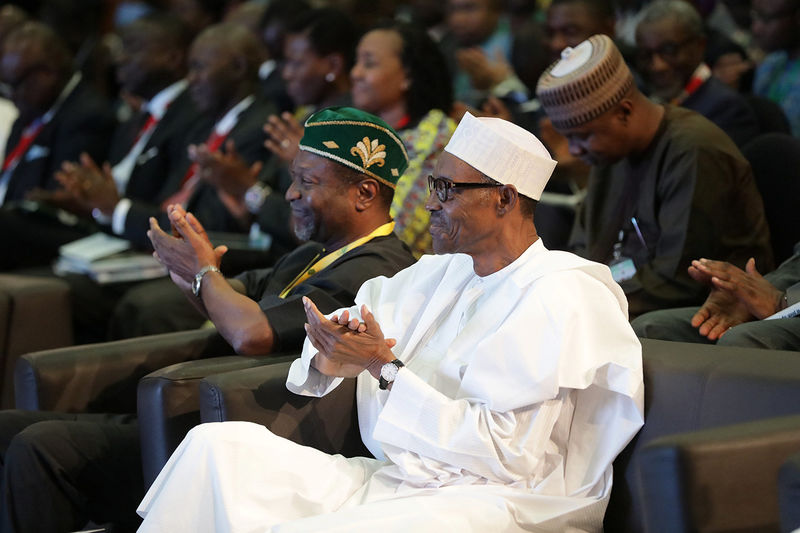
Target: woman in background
(401, 76)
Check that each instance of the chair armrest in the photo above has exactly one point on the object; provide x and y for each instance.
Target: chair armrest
(720, 479)
(24, 302)
(103, 377)
(329, 423)
(168, 405)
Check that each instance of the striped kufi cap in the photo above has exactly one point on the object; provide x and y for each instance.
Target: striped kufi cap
(586, 82)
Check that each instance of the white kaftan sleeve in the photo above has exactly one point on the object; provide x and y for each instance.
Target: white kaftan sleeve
(306, 380)
(556, 435)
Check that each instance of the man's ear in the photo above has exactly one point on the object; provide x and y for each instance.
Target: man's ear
(624, 111)
(367, 191)
(507, 199)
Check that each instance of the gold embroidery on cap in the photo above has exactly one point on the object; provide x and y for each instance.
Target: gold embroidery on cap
(370, 152)
(395, 173)
(331, 145)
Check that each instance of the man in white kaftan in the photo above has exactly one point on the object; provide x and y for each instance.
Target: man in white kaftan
(520, 386)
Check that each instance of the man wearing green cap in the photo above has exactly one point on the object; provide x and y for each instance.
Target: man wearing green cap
(342, 185)
(343, 181)
(495, 382)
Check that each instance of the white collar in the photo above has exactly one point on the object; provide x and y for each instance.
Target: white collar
(157, 106)
(266, 68)
(228, 121)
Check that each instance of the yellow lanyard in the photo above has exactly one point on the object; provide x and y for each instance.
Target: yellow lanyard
(312, 269)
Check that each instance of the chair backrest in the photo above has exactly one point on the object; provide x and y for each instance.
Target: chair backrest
(775, 158)
(690, 387)
(770, 116)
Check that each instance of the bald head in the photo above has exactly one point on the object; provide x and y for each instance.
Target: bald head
(35, 65)
(153, 55)
(223, 66)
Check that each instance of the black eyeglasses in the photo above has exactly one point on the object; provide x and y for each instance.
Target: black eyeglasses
(667, 51)
(442, 186)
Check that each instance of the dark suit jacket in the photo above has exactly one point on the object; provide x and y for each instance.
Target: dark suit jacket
(787, 275)
(83, 123)
(248, 136)
(726, 108)
(164, 151)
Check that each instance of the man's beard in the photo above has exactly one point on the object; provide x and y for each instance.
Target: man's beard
(304, 227)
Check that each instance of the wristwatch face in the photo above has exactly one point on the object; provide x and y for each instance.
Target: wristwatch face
(389, 372)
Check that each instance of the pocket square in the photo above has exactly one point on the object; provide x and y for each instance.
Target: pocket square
(147, 156)
(37, 152)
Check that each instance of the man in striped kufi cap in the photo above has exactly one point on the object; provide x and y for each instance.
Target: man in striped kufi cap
(666, 185)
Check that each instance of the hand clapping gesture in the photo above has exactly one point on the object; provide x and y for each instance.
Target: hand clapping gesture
(737, 296)
(185, 254)
(346, 346)
(284, 134)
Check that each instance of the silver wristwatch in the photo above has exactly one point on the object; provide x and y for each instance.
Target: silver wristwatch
(389, 373)
(198, 278)
(255, 196)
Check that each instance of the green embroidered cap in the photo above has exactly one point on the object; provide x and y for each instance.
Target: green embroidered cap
(358, 140)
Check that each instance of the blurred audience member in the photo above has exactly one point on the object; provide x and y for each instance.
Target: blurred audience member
(730, 63)
(570, 22)
(776, 28)
(197, 15)
(223, 78)
(144, 151)
(270, 27)
(399, 75)
(319, 51)
(59, 115)
(666, 186)
(320, 46)
(479, 47)
(10, 17)
(671, 45)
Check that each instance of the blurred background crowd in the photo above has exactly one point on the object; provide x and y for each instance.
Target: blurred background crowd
(114, 109)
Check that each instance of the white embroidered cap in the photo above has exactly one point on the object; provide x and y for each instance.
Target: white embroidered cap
(504, 152)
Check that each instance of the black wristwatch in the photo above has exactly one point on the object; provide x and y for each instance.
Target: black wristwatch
(389, 373)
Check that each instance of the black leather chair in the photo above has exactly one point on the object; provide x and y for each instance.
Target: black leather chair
(770, 115)
(35, 314)
(706, 460)
(103, 377)
(168, 404)
(775, 158)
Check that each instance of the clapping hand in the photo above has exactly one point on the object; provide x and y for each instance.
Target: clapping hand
(284, 134)
(90, 185)
(347, 347)
(737, 296)
(187, 253)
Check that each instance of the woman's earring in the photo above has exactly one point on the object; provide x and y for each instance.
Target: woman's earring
(329, 77)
